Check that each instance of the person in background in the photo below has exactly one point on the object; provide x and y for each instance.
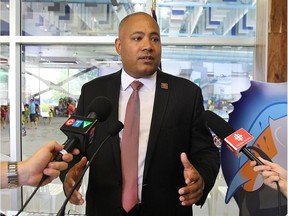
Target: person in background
(3, 116)
(24, 132)
(51, 115)
(71, 107)
(33, 114)
(38, 113)
(29, 172)
(272, 173)
(26, 113)
(178, 162)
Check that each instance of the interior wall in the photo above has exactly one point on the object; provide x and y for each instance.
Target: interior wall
(277, 41)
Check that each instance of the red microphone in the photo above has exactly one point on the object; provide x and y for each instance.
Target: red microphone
(235, 141)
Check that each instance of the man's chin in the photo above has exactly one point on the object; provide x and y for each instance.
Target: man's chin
(142, 72)
(150, 70)
(148, 73)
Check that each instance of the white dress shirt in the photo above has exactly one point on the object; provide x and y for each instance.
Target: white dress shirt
(146, 95)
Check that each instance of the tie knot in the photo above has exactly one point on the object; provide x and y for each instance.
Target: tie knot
(136, 85)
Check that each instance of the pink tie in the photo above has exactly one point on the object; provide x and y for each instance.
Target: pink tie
(129, 149)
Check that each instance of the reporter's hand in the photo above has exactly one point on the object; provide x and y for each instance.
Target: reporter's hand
(271, 173)
(70, 180)
(193, 192)
(30, 171)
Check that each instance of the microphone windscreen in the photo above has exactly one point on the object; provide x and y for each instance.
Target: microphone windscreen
(217, 124)
(100, 108)
(115, 128)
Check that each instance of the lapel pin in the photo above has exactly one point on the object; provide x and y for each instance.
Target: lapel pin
(164, 85)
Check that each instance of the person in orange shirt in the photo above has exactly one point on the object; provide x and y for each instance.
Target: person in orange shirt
(71, 107)
(3, 116)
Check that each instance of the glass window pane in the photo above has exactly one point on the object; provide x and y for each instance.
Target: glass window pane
(233, 18)
(4, 101)
(5, 135)
(4, 17)
(222, 72)
(58, 71)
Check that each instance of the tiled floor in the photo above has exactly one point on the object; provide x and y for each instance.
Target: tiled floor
(50, 198)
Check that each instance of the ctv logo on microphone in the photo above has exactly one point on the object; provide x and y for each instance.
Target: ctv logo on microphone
(77, 123)
(237, 140)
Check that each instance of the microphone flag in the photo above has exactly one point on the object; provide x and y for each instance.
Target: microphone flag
(237, 140)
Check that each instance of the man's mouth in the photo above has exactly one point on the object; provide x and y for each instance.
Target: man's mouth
(146, 58)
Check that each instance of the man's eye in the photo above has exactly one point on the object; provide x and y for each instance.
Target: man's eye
(155, 39)
(137, 38)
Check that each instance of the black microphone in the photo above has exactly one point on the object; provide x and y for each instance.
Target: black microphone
(80, 132)
(114, 129)
(78, 128)
(225, 132)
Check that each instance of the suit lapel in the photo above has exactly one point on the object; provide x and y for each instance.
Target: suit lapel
(113, 95)
(160, 104)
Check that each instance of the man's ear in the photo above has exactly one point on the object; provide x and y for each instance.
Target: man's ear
(118, 45)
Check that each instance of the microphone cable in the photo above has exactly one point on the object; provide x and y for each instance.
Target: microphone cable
(44, 177)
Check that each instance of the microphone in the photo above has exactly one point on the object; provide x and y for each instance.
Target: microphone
(77, 129)
(114, 129)
(235, 141)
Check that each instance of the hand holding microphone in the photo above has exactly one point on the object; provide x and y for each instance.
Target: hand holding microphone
(271, 173)
(40, 163)
(79, 131)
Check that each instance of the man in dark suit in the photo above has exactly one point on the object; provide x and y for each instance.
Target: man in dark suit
(178, 162)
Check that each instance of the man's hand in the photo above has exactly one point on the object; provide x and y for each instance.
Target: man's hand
(191, 193)
(70, 179)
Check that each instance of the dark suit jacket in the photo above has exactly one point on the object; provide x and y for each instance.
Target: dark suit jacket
(174, 129)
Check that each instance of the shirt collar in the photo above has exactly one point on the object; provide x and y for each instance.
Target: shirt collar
(149, 83)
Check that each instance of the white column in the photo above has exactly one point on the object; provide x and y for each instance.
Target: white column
(14, 95)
